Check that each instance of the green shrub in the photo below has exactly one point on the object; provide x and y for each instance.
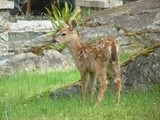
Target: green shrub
(58, 16)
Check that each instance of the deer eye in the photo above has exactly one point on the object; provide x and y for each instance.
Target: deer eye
(63, 34)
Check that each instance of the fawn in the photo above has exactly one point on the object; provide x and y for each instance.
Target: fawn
(93, 61)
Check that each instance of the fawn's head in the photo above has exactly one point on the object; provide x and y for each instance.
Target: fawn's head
(67, 33)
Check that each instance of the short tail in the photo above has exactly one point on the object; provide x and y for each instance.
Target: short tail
(115, 51)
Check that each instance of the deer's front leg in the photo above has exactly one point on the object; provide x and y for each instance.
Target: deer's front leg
(84, 77)
(91, 85)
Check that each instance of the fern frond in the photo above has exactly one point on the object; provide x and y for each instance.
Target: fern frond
(76, 15)
(66, 13)
(56, 12)
(48, 11)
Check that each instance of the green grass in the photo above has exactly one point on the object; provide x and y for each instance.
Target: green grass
(25, 85)
(20, 99)
(24, 96)
(125, 56)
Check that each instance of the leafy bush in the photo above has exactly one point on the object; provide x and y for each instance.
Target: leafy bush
(58, 16)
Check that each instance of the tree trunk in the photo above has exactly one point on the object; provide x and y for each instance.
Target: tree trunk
(28, 12)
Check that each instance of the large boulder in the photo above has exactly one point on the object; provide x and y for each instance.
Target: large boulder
(142, 70)
(50, 60)
(135, 25)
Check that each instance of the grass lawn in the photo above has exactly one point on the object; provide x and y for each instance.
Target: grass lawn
(23, 96)
(20, 100)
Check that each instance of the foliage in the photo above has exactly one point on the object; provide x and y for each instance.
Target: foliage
(58, 16)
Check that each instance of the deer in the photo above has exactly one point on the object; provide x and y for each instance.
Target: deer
(93, 60)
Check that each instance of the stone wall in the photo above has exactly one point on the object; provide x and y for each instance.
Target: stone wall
(19, 40)
(4, 14)
(23, 56)
(99, 3)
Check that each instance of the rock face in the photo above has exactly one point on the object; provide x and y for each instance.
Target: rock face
(35, 54)
(134, 25)
(51, 60)
(143, 70)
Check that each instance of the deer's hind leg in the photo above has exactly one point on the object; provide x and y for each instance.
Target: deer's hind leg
(117, 80)
(101, 74)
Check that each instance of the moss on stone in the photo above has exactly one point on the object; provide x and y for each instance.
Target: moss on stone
(144, 52)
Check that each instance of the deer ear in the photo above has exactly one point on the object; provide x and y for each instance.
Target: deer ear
(73, 24)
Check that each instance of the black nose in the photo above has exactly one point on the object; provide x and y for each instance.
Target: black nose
(54, 40)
